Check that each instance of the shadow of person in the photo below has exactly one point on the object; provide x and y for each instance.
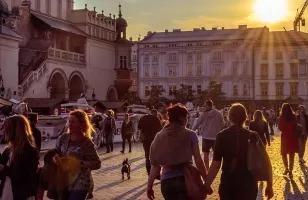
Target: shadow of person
(292, 191)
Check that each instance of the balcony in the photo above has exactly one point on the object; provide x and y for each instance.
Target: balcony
(66, 56)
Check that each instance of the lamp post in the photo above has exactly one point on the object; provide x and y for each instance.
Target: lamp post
(2, 90)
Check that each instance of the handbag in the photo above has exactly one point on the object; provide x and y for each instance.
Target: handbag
(258, 162)
(298, 130)
(194, 184)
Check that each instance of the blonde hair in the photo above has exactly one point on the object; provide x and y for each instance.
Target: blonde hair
(83, 118)
(110, 112)
(18, 133)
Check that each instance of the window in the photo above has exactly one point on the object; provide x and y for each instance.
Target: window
(123, 62)
(293, 54)
(264, 71)
(189, 57)
(155, 71)
(172, 90)
(146, 58)
(172, 45)
(190, 90)
(264, 55)
(199, 89)
(189, 44)
(189, 69)
(217, 56)
(217, 69)
(155, 58)
(303, 68)
(199, 57)
(60, 8)
(146, 90)
(279, 89)
(172, 57)
(279, 70)
(199, 70)
(235, 66)
(146, 70)
(293, 89)
(235, 90)
(264, 89)
(172, 71)
(279, 55)
(245, 90)
(245, 68)
(294, 70)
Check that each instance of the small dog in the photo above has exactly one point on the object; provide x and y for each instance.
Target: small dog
(125, 169)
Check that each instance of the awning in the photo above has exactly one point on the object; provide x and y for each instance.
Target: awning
(58, 24)
(4, 102)
(42, 102)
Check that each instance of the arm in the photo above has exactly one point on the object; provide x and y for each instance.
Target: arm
(213, 171)
(267, 135)
(199, 162)
(90, 158)
(155, 170)
(199, 120)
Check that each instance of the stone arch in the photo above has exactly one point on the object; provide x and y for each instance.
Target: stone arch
(57, 84)
(76, 85)
(112, 94)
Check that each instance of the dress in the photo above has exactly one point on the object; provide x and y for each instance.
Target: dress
(289, 140)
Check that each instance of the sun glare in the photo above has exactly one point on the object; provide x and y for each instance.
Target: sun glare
(270, 11)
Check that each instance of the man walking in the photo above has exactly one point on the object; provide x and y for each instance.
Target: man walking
(210, 124)
(109, 129)
(302, 138)
(149, 125)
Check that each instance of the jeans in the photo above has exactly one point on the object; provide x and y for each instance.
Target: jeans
(129, 140)
(302, 145)
(109, 141)
(146, 147)
(78, 195)
(238, 186)
(174, 188)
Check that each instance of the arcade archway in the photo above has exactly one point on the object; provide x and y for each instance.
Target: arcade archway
(76, 87)
(57, 86)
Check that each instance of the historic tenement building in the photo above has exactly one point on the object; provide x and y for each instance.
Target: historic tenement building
(64, 52)
(251, 63)
(194, 58)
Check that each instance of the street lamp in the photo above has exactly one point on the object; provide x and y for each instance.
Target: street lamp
(2, 90)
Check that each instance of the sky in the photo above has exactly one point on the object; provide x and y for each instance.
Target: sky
(157, 15)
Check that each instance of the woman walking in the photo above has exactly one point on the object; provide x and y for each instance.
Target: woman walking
(172, 150)
(231, 148)
(260, 126)
(303, 121)
(19, 161)
(127, 132)
(77, 144)
(289, 141)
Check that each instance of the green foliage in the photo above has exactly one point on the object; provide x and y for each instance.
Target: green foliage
(154, 94)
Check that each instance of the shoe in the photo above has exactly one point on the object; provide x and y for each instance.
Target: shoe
(290, 174)
(122, 151)
(286, 171)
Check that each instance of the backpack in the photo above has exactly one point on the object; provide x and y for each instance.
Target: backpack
(108, 125)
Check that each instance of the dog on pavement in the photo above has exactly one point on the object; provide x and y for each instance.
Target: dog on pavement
(125, 169)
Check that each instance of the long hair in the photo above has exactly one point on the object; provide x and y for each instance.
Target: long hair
(18, 133)
(258, 116)
(287, 113)
(87, 127)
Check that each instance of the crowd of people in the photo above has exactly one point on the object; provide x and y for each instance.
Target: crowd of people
(171, 150)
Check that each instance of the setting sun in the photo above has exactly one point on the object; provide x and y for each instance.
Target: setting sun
(270, 10)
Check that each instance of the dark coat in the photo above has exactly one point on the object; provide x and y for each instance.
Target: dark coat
(22, 171)
(127, 130)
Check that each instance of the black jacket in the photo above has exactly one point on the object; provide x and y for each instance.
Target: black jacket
(22, 171)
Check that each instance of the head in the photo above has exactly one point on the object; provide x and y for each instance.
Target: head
(209, 104)
(178, 114)
(237, 114)
(126, 116)
(79, 123)
(286, 112)
(302, 109)
(17, 132)
(110, 113)
(258, 116)
(50, 154)
(154, 112)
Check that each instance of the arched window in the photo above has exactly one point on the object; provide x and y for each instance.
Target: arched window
(235, 90)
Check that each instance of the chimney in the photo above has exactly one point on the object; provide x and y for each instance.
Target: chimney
(222, 28)
(202, 28)
(166, 31)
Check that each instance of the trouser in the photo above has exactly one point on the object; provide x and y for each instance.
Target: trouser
(129, 140)
(78, 195)
(271, 126)
(238, 186)
(146, 147)
(174, 189)
(109, 142)
(302, 145)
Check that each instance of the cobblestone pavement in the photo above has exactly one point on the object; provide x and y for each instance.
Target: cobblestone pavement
(109, 185)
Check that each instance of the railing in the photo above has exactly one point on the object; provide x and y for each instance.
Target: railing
(33, 76)
(66, 56)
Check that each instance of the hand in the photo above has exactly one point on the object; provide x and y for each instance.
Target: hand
(150, 193)
(269, 192)
(208, 189)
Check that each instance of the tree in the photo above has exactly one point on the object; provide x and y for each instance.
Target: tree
(184, 94)
(214, 91)
(154, 94)
(132, 98)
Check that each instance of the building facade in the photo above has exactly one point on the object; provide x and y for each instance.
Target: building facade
(64, 52)
(195, 58)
